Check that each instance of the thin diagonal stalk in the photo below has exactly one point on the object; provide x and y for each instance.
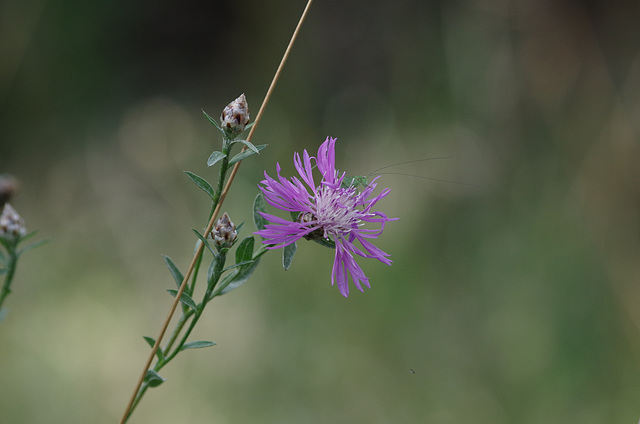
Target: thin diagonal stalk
(234, 171)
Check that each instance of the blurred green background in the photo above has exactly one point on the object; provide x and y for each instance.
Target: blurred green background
(514, 300)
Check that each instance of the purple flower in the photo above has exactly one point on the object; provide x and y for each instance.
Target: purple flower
(328, 212)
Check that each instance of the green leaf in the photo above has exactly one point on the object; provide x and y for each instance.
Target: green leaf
(32, 246)
(151, 342)
(211, 277)
(237, 265)
(325, 242)
(236, 279)
(247, 143)
(245, 154)
(7, 245)
(197, 344)
(153, 379)
(185, 299)
(213, 121)
(205, 241)
(244, 251)
(215, 158)
(27, 236)
(173, 269)
(259, 205)
(202, 183)
(240, 278)
(288, 252)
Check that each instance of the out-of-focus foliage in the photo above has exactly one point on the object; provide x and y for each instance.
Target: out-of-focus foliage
(515, 299)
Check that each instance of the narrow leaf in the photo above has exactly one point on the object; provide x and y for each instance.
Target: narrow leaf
(244, 251)
(173, 269)
(211, 277)
(245, 154)
(7, 245)
(236, 279)
(259, 205)
(247, 143)
(185, 299)
(215, 158)
(32, 246)
(27, 236)
(213, 121)
(202, 184)
(197, 344)
(151, 342)
(288, 252)
(237, 265)
(153, 379)
(205, 241)
(248, 126)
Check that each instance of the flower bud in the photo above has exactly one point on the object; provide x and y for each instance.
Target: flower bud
(235, 116)
(11, 225)
(224, 233)
(8, 188)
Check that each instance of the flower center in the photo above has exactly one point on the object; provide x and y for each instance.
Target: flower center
(335, 212)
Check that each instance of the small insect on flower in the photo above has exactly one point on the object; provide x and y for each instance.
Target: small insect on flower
(331, 212)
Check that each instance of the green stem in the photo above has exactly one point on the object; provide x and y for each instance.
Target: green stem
(179, 326)
(220, 262)
(11, 269)
(183, 340)
(194, 277)
(220, 259)
(224, 166)
(187, 313)
(141, 393)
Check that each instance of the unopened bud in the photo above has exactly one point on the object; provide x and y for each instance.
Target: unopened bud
(224, 234)
(8, 188)
(235, 116)
(11, 225)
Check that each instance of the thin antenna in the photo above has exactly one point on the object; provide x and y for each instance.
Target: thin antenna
(428, 178)
(405, 163)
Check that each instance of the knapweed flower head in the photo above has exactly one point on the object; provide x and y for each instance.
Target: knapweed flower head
(235, 116)
(11, 224)
(224, 233)
(328, 211)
